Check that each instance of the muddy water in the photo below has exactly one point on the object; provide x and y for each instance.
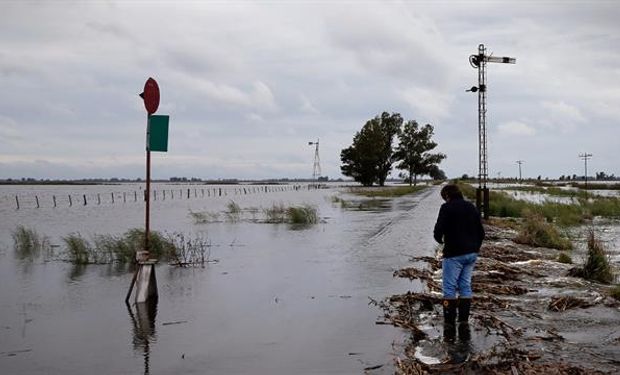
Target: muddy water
(280, 300)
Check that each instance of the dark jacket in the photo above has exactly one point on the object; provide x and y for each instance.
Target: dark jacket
(459, 228)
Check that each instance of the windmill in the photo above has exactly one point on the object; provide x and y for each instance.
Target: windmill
(316, 168)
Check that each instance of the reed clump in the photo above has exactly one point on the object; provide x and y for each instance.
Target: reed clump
(233, 211)
(79, 249)
(536, 231)
(387, 191)
(302, 215)
(275, 214)
(597, 266)
(116, 249)
(203, 217)
(190, 251)
(28, 244)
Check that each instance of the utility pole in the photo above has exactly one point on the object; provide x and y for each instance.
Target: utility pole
(316, 168)
(479, 62)
(520, 162)
(585, 156)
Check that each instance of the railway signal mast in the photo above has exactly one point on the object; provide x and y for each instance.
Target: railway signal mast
(316, 168)
(479, 62)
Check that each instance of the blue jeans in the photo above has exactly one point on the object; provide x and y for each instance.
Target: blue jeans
(457, 273)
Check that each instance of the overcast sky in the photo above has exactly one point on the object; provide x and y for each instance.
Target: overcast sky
(248, 84)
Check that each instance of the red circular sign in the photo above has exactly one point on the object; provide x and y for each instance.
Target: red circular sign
(151, 96)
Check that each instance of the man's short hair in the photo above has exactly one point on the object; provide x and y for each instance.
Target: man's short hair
(451, 191)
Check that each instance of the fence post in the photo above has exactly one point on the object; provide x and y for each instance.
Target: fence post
(220, 192)
(124, 198)
(84, 199)
(17, 201)
(187, 193)
(54, 199)
(70, 201)
(98, 199)
(135, 196)
(112, 197)
(164, 194)
(37, 199)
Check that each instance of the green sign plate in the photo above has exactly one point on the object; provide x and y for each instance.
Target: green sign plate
(158, 133)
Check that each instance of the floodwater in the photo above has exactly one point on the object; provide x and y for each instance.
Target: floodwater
(279, 299)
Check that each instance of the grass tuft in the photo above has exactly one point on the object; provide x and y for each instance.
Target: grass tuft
(565, 258)
(536, 231)
(387, 191)
(596, 266)
(28, 244)
(302, 215)
(117, 249)
(275, 214)
(615, 292)
(79, 249)
(234, 211)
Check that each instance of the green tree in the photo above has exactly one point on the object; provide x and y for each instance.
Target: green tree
(369, 159)
(413, 151)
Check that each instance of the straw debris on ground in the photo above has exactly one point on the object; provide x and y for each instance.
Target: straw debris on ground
(524, 310)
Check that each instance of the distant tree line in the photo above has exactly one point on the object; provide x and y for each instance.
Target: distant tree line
(370, 158)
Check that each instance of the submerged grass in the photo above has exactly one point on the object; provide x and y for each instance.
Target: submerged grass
(203, 217)
(233, 212)
(503, 205)
(536, 231)
(28, 244)
(275, 214)
(117, 249)
(302, 215)
(387, 191)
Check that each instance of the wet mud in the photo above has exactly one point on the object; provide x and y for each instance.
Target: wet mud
(528, 317)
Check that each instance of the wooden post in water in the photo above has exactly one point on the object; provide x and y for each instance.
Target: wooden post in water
(17, 201)
(37, 199)
(70, 202)
(54, 199)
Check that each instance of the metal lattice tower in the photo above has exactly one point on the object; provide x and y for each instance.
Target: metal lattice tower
(316, 168)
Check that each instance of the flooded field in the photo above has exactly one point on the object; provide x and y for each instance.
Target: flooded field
(277, 299)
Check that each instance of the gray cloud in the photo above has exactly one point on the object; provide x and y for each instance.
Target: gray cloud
(247, 85)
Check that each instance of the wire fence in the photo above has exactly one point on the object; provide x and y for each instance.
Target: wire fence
(57, 199)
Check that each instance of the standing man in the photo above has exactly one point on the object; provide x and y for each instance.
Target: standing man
(460, 230)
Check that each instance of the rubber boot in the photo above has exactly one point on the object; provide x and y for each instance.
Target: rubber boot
(449, 311)
(464, 305)
(449, 319)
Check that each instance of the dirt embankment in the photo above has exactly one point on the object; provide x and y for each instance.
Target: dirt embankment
(528, 317)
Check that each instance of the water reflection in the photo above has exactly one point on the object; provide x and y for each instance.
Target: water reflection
(143, 327)
(77, 271)
(458, 342)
